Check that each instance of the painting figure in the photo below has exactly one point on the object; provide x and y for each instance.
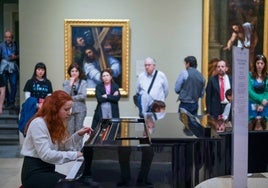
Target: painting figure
(78, 49)
(241, 35)
(92, 67)
(243, 19)
(95, 49)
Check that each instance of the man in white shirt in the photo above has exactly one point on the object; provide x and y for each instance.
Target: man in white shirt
(159, 90)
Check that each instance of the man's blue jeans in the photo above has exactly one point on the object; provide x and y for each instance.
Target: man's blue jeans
(190, 107)
(12, 78)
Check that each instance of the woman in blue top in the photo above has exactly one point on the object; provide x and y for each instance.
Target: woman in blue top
(258, 88)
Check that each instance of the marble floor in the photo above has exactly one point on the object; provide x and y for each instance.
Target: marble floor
(10, 169)
(106, 172)
(10, 172)
(11, 162)
(259, 180)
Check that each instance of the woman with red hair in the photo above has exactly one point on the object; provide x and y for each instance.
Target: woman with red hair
(48, 143)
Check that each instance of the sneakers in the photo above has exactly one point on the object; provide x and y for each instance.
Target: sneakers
(87, 180)
(188, 132)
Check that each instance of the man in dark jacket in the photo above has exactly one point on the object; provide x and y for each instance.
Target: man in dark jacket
(215, 91)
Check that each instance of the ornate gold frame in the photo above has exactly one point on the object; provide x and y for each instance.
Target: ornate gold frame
(69, 24)
(205, 39)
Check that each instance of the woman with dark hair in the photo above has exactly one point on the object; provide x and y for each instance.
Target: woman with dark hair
(108, 95)
(257, 124)
(76, 86)
(38, 86)
(36, 90)
(48, 142)
(158, 106)
(258, 88)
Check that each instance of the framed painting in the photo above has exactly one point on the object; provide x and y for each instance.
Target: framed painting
(242, 23)
(96, 45)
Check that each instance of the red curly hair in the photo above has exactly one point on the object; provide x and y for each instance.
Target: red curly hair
(50, 112)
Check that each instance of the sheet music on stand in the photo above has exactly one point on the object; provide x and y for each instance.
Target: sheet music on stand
(74, 170)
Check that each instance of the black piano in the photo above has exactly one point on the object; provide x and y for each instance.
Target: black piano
(198, 153)
(257, 156)
(128, 132)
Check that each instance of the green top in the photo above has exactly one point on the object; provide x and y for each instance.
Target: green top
(253, 96)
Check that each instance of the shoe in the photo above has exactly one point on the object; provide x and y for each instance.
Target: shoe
(123, 184)
(184, 119)
(144, 184)
(87, 180)
(188, 132)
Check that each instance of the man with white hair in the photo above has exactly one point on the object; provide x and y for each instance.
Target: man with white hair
(152, 85)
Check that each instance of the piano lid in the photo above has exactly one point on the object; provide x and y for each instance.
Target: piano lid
(155, 127)
(120, 132)
(170, 126)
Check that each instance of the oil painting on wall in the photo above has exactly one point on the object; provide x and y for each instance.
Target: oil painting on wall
(228, 23)
(233, 22)
(96, 45)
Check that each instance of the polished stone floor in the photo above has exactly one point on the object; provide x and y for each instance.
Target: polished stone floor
(107, 173)
(104, 171)
(259, 180)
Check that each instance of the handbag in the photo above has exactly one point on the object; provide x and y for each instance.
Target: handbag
(136, 99)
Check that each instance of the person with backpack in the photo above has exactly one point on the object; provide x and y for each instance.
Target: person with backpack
(36, 89)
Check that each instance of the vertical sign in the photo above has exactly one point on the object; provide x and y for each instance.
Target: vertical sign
(240, 116)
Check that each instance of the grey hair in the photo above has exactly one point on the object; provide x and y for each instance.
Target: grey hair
(150, 59)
